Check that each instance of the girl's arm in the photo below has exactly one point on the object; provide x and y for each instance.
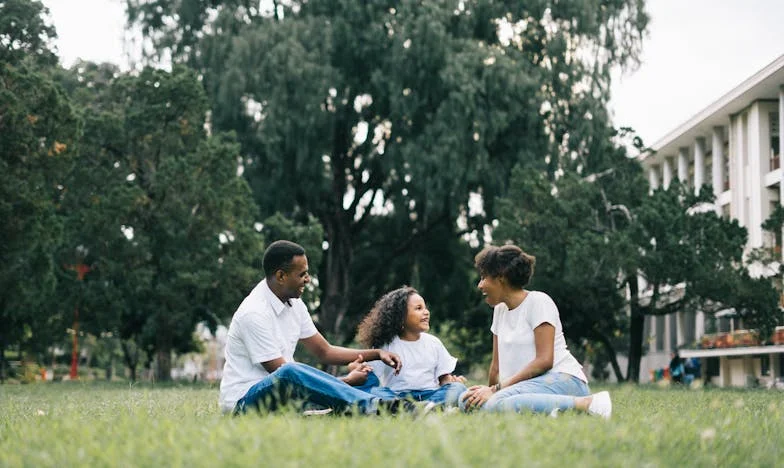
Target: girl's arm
(544, 340)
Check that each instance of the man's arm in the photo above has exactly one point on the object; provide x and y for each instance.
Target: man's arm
(319, 347)
(272, 366)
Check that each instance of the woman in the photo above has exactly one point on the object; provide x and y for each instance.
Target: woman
(531, 369)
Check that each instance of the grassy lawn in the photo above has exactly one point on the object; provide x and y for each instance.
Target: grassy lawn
(76, 424)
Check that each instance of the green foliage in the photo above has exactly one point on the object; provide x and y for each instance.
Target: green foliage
(382, 118)
(24, 35)
(157, 209)
(38, 134)
(61, 424)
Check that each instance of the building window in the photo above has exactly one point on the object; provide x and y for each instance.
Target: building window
(764, 364)
(660, 332)
(774, 141)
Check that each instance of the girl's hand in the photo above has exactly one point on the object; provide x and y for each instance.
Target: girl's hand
(449, 378)
(357, 363)
(477, 396)
(357, 376)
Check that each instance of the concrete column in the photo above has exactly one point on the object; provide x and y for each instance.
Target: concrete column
(653, 177)
(699, 163)
(781, 152)
(666, 172)
(683, 165)
(717, 169)
(756, 172)
(738, 172)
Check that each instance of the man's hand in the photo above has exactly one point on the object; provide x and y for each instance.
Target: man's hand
(390, 359)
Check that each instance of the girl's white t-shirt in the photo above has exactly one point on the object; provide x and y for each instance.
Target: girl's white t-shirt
(424, 361)
(515, 331)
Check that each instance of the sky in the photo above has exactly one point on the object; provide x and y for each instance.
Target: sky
(695, 52)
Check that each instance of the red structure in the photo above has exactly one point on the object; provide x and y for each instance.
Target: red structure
(81, 269)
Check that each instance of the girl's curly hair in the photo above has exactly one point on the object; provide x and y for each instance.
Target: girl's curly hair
(386, 318)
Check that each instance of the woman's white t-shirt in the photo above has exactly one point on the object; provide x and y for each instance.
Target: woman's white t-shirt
(515, 331)
(424, 361)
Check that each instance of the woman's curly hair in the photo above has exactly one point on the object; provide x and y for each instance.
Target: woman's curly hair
(386, 318)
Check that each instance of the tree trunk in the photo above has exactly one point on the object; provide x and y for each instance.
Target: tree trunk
(612, 355)
(131, 358)
(3, 368)
(336, 282)
(637, 322)
(164, 362)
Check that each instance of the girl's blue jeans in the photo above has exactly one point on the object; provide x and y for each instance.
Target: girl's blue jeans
(446, 394)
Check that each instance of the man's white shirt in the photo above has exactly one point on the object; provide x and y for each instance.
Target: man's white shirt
(262, 329)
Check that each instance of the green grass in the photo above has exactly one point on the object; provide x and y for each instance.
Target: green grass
(76, 424)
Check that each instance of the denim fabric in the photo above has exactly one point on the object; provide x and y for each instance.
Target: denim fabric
(300, 382)
(541, 394)
(445, 394)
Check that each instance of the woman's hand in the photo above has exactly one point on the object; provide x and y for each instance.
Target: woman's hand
(477, 396)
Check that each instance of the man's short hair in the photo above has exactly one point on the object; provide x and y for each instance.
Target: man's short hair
(279, 256)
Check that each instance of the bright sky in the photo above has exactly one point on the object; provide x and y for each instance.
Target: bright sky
(696, 51)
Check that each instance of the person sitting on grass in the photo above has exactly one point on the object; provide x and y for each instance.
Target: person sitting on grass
(531, 367)
(398, 323)
(260, 371)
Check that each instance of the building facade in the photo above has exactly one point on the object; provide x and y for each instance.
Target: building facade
(734, 145)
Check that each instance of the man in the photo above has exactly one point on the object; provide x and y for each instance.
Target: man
(260, 368)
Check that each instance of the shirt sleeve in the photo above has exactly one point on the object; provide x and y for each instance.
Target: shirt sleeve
(496, 318)
(306, 326)
(544, 311)
(445, 363)
(259, 338)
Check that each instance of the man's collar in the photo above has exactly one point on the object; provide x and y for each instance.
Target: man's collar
(274, 301)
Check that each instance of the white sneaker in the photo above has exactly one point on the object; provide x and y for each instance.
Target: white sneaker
(554, 413)
(316, 412)
(601, 405)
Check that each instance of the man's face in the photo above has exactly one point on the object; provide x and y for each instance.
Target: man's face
(294, 281)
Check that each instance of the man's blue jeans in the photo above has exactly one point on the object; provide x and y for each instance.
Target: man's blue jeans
(446, 395)
(541, 394)
(299, 382)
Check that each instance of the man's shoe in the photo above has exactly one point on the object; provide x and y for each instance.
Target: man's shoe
(317, 412)
(601, 405)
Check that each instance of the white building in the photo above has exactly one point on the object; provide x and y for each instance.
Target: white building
(733, 145)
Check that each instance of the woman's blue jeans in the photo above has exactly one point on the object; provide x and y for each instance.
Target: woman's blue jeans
(541, 394)
(299, 382)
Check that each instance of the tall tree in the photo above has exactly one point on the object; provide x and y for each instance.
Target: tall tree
(158, 209)
(38, 132)
(393, 113)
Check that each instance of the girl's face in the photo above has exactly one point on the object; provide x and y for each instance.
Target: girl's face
(417, 316)
(493, 289)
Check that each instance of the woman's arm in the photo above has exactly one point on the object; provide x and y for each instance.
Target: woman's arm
(544, 340)
(493, 372)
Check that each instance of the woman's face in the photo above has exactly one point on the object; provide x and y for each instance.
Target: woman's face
(492, 289)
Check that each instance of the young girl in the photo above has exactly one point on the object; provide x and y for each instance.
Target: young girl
(398, 323)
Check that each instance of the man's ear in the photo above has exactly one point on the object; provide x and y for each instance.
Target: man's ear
(280, 275)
